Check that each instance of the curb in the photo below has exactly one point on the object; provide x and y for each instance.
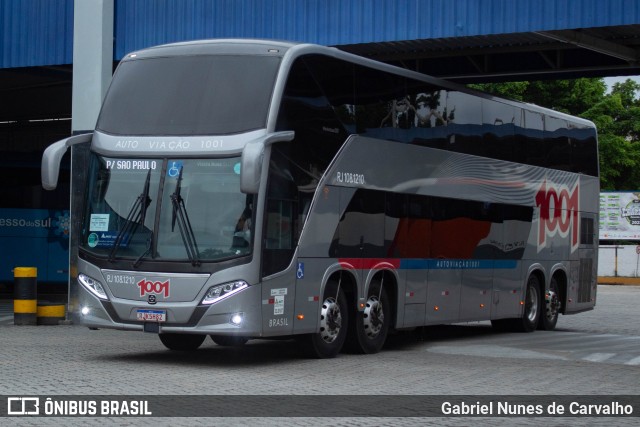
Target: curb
(628, 281)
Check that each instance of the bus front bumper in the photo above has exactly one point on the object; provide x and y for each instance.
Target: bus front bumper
(238, 315)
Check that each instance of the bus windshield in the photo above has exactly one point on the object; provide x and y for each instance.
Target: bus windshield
(189, 95)
(171, 210)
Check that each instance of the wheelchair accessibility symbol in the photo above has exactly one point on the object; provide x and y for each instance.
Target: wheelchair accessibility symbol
(300, 271)
(174, 169)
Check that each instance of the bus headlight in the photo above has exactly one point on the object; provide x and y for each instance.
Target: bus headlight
(220, 292)
(92, 286)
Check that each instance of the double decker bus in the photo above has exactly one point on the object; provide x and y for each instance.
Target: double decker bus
(245, 189)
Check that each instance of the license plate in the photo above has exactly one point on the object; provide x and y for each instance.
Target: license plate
(152, 315)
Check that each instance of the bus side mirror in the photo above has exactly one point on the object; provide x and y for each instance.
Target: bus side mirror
(53, 155)
(253, 157)
(251, 167)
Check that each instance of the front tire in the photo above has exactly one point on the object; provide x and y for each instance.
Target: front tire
(182, 342)
(334, 321)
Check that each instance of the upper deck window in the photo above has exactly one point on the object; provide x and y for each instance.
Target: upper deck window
(189, 95)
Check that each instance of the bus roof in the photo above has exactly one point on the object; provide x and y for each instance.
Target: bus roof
(292, 50)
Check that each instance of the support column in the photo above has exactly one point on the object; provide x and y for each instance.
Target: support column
(93, 23)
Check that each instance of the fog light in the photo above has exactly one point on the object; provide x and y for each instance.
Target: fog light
(85, 311)
(236, 319)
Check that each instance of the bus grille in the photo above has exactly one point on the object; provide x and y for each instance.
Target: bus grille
(586, 276)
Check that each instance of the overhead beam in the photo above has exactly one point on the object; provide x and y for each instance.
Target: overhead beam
(585, 41)
(533, 74)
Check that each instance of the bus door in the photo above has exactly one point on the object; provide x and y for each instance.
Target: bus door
(445, 270)
(278, 245)
(482, 226)
(510, 237)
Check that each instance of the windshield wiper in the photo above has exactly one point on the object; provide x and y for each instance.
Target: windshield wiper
(184, 225)
(135, 217)
(145, 253)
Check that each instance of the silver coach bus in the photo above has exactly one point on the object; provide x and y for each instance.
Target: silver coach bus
(252, 189)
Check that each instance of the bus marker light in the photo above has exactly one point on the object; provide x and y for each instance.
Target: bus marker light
(362, 305)
(436, 308)
(300, 316)
(481, 305)
(521, 302)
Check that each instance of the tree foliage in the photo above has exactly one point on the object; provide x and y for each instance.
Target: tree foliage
(616, 115)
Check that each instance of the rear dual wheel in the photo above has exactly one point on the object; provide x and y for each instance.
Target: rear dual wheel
(369, 331)
(551, 307)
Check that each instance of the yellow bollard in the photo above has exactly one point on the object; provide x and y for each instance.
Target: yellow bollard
(25, 300)
(50, 313)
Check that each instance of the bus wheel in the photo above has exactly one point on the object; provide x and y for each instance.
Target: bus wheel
(551, 309)
(372, 324)
(229, 341)
(182, 342)
(328, 341)
(530, 317)
(531, 314)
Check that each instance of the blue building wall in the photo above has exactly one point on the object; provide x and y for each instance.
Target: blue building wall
(40, 32)
(36, 32)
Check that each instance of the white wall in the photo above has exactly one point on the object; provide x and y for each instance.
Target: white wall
(628, 263)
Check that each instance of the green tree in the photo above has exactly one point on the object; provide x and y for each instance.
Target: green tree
(617, 117)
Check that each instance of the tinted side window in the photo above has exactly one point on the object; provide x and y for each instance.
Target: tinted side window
(556, 139)
(307, 110)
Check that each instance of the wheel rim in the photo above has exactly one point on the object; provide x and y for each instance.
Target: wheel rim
(532, 304)
(373, 317)
(553, 304)
(330, 320)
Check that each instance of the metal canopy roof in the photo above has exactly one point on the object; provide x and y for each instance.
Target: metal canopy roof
(586, 52)
(463, 40)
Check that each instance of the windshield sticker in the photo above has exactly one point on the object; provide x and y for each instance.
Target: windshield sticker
(106, 239)
(132, 164)
(92, 240)
(236, 168)
(99, 222)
